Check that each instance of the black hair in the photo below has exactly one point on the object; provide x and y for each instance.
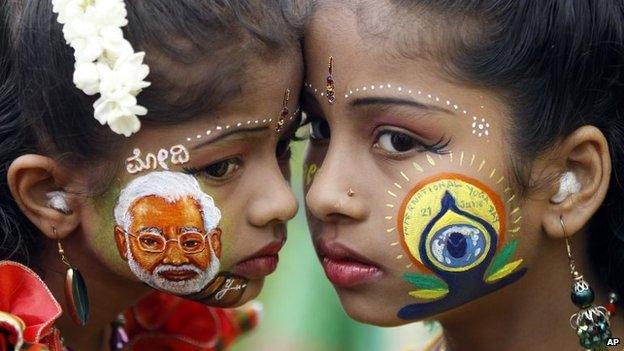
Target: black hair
(42, 112)
(559, 65)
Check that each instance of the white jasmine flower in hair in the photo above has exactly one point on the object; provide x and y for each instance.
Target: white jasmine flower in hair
(68, 9)
(126, 124)
(119, 111)
(105, 62)
(87, 78)
(126, 75)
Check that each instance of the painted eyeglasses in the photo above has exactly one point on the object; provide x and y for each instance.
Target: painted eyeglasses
(189, 242)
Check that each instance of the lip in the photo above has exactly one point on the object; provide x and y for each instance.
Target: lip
(345, 267)
(178, 275)
(260, 264)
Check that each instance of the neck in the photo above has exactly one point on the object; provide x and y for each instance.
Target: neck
(109, 295)
(532, 313)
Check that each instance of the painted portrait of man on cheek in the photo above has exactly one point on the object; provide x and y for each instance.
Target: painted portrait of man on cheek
(167, 229)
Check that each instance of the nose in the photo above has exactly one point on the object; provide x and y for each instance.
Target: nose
(334, 193)
(173, 255)
(273, 199)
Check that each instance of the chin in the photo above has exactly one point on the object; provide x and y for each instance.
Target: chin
(373, 310)
(254, 287)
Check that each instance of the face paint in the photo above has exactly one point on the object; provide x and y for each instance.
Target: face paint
(167, 229)
(177, 155)
(451, 226)
(480, 126)
(309, 172)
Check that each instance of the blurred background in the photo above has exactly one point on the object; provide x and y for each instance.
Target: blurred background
(301, 309)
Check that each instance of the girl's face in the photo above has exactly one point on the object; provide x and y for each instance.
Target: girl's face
(199, 209)
(410, 197)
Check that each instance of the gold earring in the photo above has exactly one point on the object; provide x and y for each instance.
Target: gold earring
(330, 88)
(76, 296)
(591, 322)
(285, 111)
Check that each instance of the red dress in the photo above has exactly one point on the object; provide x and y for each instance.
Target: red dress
(159, 322)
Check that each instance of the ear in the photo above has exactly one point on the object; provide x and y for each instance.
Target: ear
(215, 241)
(585, 153)
(30, 179)
(120, 240)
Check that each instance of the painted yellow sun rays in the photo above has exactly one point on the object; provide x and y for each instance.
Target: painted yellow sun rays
(406, 179)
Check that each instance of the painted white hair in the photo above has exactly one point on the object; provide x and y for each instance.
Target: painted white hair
(171, 186)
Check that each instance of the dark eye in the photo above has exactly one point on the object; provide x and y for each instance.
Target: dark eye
(191, 244)
(147, 242)
(222, 169)
(396, 142)
(319, 129)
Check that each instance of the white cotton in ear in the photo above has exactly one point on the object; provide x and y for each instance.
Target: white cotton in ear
(568, 184)
(58, 201)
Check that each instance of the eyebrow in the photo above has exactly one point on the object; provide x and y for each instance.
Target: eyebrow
(230, 133)
(187, 229)
(153, 230)
(368, 101)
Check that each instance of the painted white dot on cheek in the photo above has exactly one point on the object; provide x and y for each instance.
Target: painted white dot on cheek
(364, 88)
(188, 139)
(400, 89)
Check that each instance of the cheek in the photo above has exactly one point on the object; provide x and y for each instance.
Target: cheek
(149, 261)
(457, 223)
(99, 232)
(201, 260)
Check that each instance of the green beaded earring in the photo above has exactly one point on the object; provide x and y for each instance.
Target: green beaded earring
(591, 322)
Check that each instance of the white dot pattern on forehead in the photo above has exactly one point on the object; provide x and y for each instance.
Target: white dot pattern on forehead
(480, 126)
(240, 124)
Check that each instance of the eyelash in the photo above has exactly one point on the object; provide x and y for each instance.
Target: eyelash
(439, 147)
(288, 137)
(204, 172)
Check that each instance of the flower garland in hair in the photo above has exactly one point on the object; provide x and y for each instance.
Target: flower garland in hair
(105, 62)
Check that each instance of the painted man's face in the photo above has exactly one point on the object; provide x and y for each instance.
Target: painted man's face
(163, 242)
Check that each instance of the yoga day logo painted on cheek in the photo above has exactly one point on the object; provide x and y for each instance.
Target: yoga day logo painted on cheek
(457, 235)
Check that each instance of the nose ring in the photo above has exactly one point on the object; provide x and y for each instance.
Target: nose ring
(350, 193)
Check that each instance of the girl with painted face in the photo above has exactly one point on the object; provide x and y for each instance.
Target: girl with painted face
(454, 151)
(179, 183)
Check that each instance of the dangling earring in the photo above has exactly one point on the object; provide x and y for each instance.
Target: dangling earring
(76, 297)
(591, 322)
(284, 113)
(330, 87)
